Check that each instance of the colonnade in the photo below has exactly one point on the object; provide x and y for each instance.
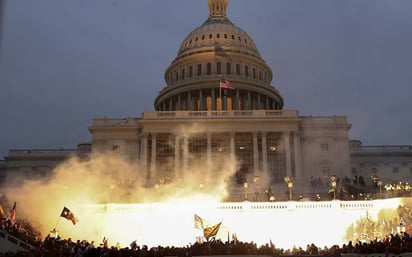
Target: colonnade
(218, 99)
(290, 147)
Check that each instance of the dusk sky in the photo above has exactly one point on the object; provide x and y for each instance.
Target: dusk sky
(65, 62)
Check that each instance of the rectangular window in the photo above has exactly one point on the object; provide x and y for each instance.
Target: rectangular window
(324, 147)
(209, 69)
(238, 69)
(395, 169)
(116, 149)
(326, 171)
(199, 70)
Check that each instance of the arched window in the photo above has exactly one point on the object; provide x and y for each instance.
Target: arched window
(177, 76)
(228, 68)
(190, 71)
(260, 75)
(238, 69)
(199, 70)
(183, 74)
(254, 73)
(209, 69)
(218, 68)
(246, 71)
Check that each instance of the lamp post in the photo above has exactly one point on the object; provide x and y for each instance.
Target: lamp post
(379, 183)
(255, 182)
(290, 186)
(333, 185)
(245, 187)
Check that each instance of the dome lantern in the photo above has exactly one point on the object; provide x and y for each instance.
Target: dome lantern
(217, 7)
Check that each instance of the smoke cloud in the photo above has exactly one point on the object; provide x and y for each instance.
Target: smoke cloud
(111, 178)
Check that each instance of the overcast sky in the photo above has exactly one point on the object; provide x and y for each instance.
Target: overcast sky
(63, 63)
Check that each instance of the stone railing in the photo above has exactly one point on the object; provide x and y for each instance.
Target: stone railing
(243, 206)
(384, 148)
(35, 152)
(221, 114)
(315, 120)
(115, 122)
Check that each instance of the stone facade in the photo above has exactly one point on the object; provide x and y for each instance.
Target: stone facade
(198, 117)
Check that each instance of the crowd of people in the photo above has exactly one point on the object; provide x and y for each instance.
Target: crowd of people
(359, 188)
(54, 246)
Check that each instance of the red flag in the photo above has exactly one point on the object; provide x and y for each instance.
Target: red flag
(13, 212)
(67, 214)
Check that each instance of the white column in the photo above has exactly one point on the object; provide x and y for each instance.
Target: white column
(139, 150)
(255, 153)
(153, 159)
(288, 155)
(232, 146)
(209, 152)
(298, 156)
(185, 155)
(177, 156)
(264, 154)
(144, 154)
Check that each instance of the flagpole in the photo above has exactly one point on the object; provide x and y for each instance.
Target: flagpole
(220, 94)
(58, 219)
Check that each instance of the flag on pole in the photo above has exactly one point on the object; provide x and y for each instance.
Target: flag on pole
(199, 222)
(1, 212)
(211, 231)
(224, 83)
(13, 212)
(67, 214)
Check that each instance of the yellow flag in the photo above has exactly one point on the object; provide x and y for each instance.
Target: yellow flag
(211, 231)
(1, 211)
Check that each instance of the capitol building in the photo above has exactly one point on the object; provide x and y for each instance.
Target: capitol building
(218, 104)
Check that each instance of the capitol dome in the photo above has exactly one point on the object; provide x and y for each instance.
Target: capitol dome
(218, 50)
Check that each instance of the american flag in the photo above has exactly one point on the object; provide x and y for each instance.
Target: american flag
(224, 83)
(199, 222)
